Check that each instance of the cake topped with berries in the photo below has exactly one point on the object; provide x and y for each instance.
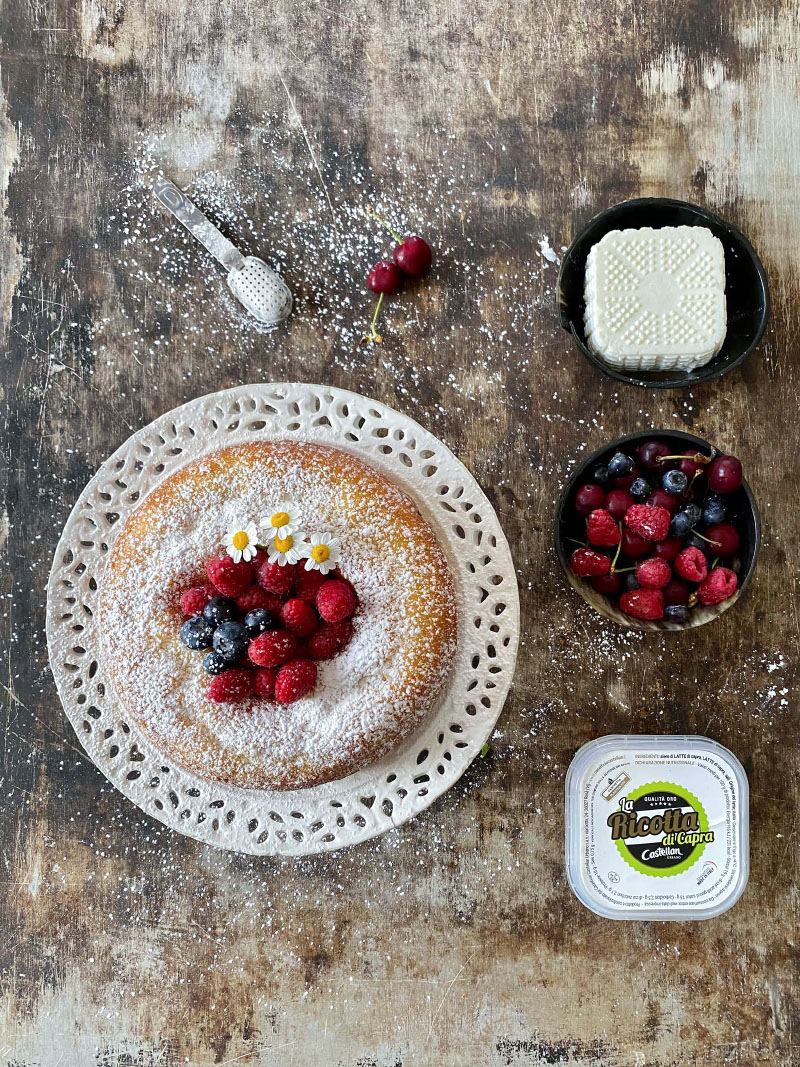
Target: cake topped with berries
(277, 615)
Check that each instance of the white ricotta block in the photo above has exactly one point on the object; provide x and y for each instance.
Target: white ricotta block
(655, 299)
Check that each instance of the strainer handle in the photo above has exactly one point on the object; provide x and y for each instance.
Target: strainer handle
(197, 224)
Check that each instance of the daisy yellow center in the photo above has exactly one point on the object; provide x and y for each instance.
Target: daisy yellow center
(283, 544)
(240, 540)
(319, 553)
(280, 518)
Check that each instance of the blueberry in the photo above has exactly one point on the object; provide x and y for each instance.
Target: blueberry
(230, 640)
(219, 609)
(619, 465)
(675, 482)
(640, 489)
(214, 663)
(629, 582)
(601, 475)
(714, 509)
(680, 524)
(685, 520)
(676, 613)
(258, 621)
(196, 633)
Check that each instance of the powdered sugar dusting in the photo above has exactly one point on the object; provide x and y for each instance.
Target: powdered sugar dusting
(366, 698)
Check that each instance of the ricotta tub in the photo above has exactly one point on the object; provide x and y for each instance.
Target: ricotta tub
(656, 827)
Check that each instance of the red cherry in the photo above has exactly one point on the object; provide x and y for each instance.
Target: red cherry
(384, 278)
(660, 498)
(668, 549)
(677, 592)
(618, 501)
(724, 540)
(413, 256)
(650, 453)
(724, 474)
(606, 583)
(690, 466)
(589, 498)
(634, 546)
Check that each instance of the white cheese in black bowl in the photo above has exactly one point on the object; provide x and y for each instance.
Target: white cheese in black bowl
(651, 303)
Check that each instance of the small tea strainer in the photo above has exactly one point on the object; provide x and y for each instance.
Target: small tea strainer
(255, 285)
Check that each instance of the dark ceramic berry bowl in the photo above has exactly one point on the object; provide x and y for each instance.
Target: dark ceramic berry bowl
(738, 509)
(746, 291)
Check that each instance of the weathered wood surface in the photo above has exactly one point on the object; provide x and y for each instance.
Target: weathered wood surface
(455, 940)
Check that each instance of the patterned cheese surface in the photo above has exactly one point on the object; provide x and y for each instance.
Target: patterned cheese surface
(655, 299)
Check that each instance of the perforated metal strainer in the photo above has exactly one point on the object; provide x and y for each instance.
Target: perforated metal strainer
(255, 285)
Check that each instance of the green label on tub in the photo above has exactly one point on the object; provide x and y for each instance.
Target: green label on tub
(660, 829)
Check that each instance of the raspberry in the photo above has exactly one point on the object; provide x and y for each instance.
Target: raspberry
(231, 686)
(255, 597)
(653, 573)
(264, 682)
(299, 618)
(692, 564)
(601, 529)
(230, 578)
(274, 578)
(272, 648)
(643, 603)
(308, 583)
(336, 600)
(294, 680)
(258, 561)
(585, 563)
(718, 586)
(329, 639)
(194, 600)
(651, 523)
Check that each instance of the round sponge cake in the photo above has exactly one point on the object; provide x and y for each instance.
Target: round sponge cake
(367, 698)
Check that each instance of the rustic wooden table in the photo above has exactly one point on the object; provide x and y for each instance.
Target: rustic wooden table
(495, 129)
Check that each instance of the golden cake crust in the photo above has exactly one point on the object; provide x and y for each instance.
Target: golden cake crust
(367, 698)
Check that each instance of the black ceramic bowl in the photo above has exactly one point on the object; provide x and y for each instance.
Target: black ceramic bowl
(570, 528)
(746, 291)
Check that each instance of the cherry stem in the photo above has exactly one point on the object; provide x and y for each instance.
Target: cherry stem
(386, 225)
(619, 549)
(716, 561)
(622, 570)
(696, 534)
(698, 457)
(373, 335)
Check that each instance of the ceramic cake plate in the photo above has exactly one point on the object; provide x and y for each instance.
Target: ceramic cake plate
(377, 798)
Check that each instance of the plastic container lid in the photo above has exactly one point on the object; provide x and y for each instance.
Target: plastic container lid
(657, 827)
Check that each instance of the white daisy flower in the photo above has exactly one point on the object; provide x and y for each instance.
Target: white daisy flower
(323, 551)
(289, 549)
(282, 521)
(240, 542)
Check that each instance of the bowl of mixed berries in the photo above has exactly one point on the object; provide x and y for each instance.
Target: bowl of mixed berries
(658, 531)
